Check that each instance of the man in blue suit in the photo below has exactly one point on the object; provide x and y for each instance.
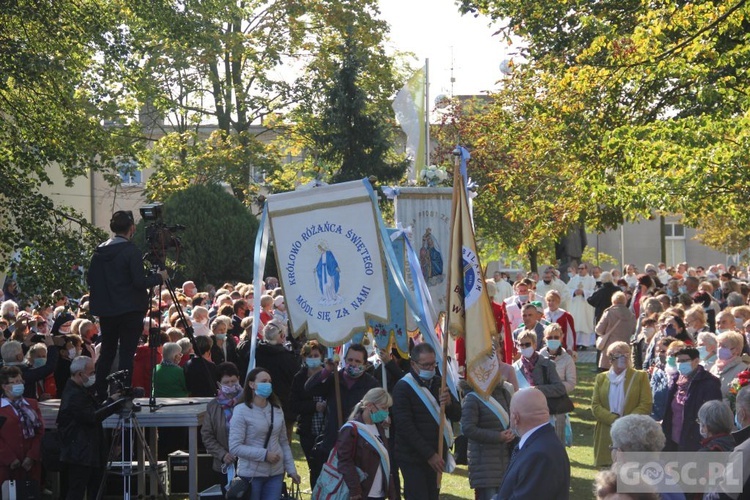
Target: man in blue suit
(539, 466)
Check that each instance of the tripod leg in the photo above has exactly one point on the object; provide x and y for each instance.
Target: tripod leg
(115, 434)
(153, 464)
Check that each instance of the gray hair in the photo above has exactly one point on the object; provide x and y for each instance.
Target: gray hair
(36, 348)
(170, 350)
(652, 305)
(10, 351)
(735, 299)
(707, 338)
(185, 345)
(743, 400)
(79, 364)
(637, 433)
(605, 277)
(717, 416)
(272, 331)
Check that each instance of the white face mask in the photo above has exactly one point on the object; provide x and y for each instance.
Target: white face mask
(90, 381)
(527, 352)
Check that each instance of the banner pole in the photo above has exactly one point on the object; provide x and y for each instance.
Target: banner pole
(446, 329)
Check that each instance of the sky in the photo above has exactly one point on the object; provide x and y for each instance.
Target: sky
(436, 30)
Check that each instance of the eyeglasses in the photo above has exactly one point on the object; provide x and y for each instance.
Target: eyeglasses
(525, 345)
(429, 366)
(553, 338)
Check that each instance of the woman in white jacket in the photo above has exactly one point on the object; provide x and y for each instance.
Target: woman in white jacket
(565, 366)
(264, 456)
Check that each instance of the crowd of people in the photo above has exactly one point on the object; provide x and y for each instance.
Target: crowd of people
(672, 349)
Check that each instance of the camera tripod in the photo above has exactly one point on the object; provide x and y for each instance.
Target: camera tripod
(127, 425)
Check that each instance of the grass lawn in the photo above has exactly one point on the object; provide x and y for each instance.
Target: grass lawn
(581, 454)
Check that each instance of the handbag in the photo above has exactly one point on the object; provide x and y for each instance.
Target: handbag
(331, 484)
(240, 486)
(557, 404)
(290, 493)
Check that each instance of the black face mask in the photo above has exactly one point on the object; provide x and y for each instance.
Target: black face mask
(547, 282)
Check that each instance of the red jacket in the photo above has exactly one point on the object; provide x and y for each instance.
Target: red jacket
(14, 447)
(142, 367)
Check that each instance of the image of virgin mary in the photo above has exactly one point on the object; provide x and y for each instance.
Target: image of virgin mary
(431, 260)
(328, 274)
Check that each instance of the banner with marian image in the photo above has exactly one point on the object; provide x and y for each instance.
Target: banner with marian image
(330, 260)
(428, 212)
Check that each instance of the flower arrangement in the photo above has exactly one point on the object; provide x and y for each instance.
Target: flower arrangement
(742, 379)
(433, 176)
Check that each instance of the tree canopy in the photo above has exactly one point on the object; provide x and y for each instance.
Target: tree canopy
(217, 242)
(616, 110)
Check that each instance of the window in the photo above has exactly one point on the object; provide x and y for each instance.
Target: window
(675, 243)
(129, 172)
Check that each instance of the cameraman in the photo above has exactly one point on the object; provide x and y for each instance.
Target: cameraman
(119, 297)
(83, 446)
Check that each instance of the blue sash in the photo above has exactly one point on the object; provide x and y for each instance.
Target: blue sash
(434, 408)
(385, 462)
(495, 407)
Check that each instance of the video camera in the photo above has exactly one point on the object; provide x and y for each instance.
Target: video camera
(159, 236)
(118, 380)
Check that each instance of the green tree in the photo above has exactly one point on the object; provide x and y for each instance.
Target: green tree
(620, 109)
(350, 77)
(56, 259)
(352, 139)
(58, 106)
(217, 242)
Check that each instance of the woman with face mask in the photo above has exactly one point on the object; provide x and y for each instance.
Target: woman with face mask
(716, 424)
(620, 391)
(566, 370)
(216, 423)
(362, 445)
(257, 437)
(22, 430)
(310, 409)
(691, 387)
(534, 370)
(730, 363)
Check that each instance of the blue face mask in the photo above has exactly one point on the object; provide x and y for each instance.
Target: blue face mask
(685, 367)
(737, 422)
(221, 336)
(426, 374)
(703, 352)
(671, 361)
(670, 331)
(379, 416)
(313, 362)
(17, 390)
(39, 362)
(263, 389)
(553, 344)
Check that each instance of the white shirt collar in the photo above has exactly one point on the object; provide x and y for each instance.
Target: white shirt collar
(529, 433)
(6, 402)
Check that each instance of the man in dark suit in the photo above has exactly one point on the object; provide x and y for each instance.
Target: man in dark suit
(539, 466)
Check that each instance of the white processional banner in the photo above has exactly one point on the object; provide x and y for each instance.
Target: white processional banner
(428, 212)
(330, 260)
